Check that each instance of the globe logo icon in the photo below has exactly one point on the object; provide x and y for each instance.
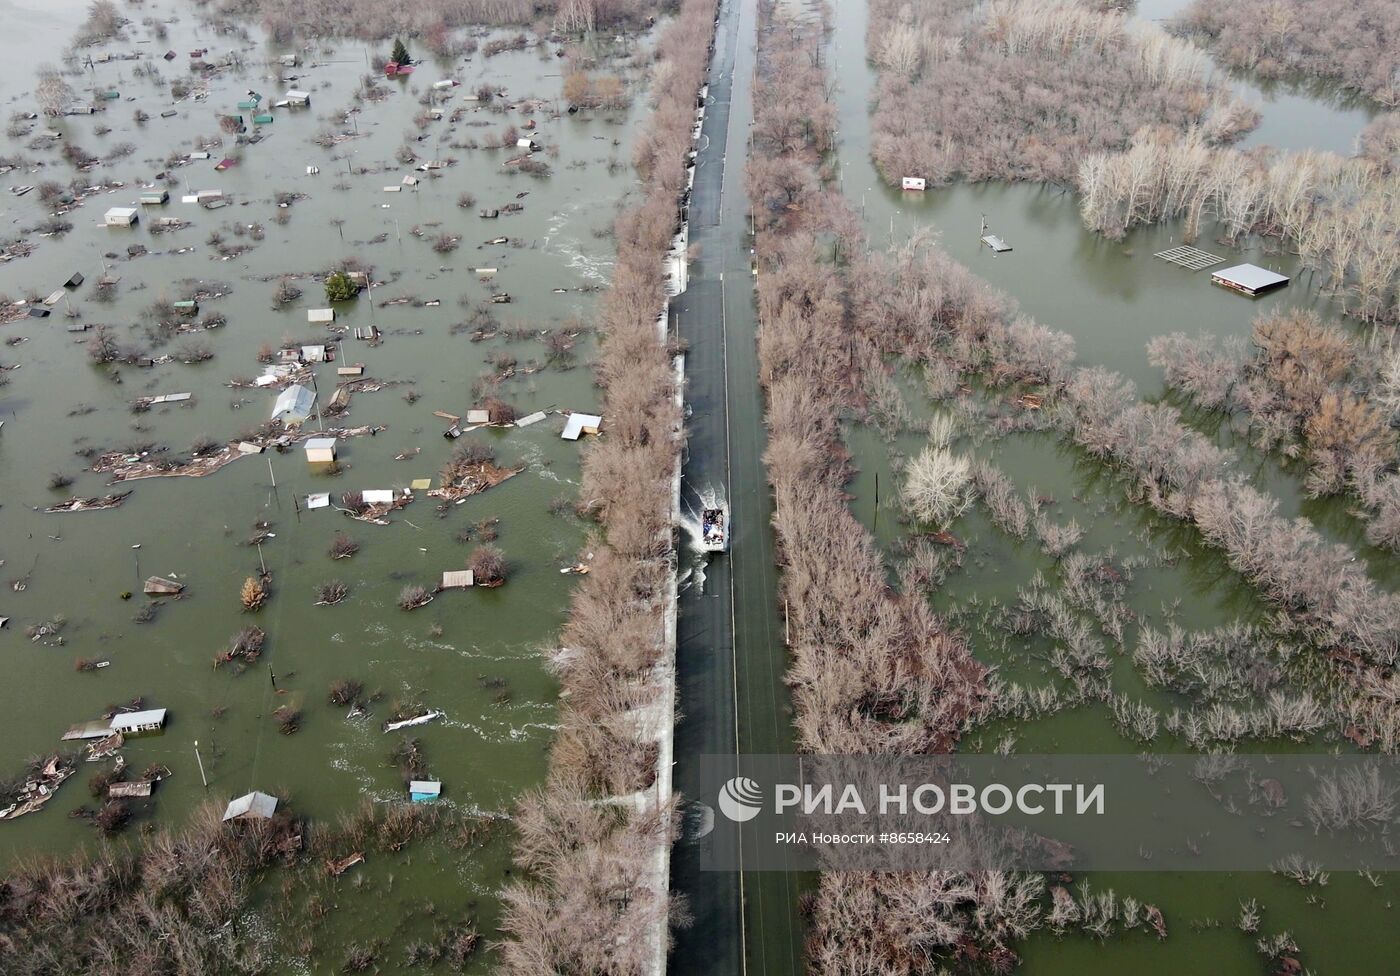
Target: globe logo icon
(740, 799)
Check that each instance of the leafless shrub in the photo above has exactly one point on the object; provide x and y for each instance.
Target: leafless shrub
(330, 593)
(488, 565)
(287, 719)
(345, 691)
(413, 596)
(937, 486)
(343, 547)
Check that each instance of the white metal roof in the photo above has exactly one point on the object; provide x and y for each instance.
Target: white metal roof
(131, 720)
(429, 786)
(251, 805)
(1250, 276)
(320, 443)
(577, 422)
(294, 404)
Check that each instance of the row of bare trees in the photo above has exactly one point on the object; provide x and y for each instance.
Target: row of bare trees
(1341, 215)
(1023, 90)
(1309, 389)
(1354, 42)
(593, 899)
(873, 669)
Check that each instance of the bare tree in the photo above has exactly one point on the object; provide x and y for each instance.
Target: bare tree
(52, 93)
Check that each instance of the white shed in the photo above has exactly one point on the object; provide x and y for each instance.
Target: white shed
(914, 183)
(320, 315)
(320, 450)
(297, 98)
(120, 217)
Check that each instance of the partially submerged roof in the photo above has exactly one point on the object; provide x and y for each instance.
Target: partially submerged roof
(159, 585)
(424, 789)
(294, 404)
(125, 721)
(1249, 277)
(581, 423)
(455, 579)
(251, 806)
(320, 444)
(141, 787)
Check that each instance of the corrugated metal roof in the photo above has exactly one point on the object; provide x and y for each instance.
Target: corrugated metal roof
(321, 444)
(429, 786)
(453, 579)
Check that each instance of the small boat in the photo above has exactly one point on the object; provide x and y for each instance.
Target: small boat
(714, 529)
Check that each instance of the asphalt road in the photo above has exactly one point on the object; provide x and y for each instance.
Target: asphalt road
(730, 654)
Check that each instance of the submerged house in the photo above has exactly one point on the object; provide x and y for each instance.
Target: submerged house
(580, 424)
(130, 723)
(424, 790)
(1248, 279)
(251, 806)
(294, 404)
(320, 450)
(120, 217)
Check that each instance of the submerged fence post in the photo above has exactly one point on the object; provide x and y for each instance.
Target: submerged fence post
(200, 760)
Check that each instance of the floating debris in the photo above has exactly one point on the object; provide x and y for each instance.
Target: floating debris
(39, 788)
(424, 719)
(76, 504)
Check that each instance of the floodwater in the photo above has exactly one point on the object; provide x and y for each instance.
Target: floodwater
(474, 654)
(1112, 297)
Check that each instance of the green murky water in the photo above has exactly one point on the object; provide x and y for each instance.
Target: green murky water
(474, 654)
(1113, 297)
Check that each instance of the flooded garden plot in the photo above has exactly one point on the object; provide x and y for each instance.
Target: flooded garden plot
(1078, 635)
(458, 220)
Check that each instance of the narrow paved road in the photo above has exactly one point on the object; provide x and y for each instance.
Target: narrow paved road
(730, 654)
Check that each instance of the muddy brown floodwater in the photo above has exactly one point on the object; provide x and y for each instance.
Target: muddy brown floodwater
(474, 654)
